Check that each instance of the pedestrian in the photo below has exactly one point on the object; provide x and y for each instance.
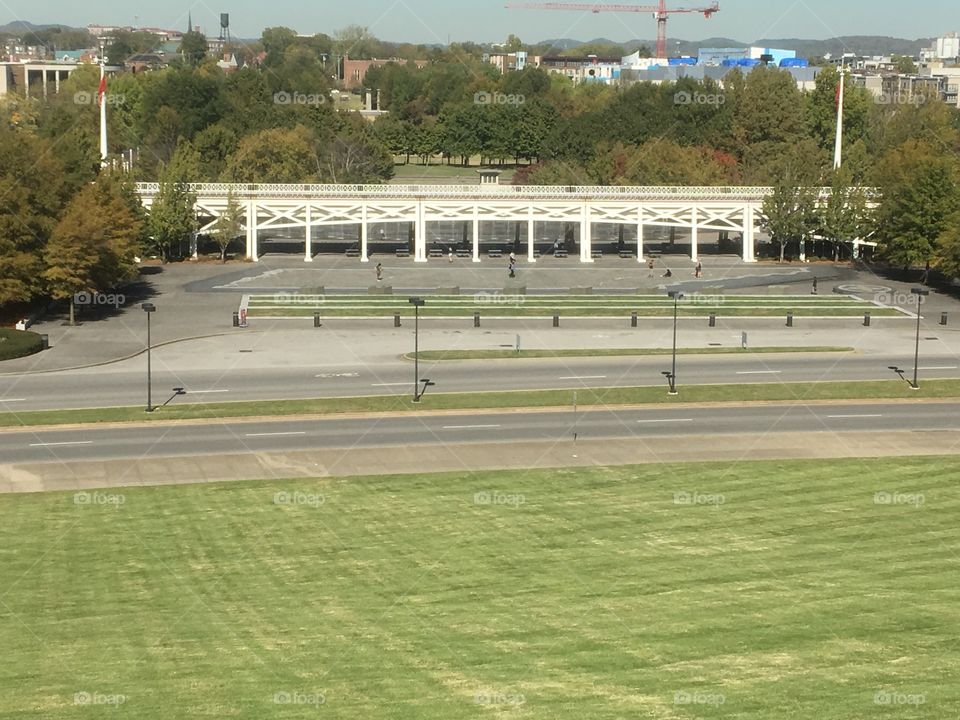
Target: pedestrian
(512, 267)
(556, 246)
(382, 234)
(379, 272)
(449, 254)
(814, 286)
(699, 270)
(668, 273)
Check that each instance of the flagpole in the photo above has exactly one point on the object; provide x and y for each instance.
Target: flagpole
(101, 98)
(838, 148)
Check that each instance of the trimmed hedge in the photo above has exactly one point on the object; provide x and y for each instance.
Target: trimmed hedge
(18, 343)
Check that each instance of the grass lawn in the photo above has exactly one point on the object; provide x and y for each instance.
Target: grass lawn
(654, 394)
(751, 590)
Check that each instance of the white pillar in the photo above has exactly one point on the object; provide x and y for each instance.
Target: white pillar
(364, 234)
(420, 236)
(748, 238)
(695, 235)
(308, 238)
(252, 231)
(586, 238)
(43, 81)
(530, 257)
(476, 233)
(640, 233)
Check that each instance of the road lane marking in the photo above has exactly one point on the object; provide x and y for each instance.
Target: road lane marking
(468, 427)
(389, 384)
(337, 375)
(945, 367)
(759, 372)
(665, 420)
(845, 417)
(204, 392)
(13, 400)
(584, 377)
(51, 444)
(276, 434)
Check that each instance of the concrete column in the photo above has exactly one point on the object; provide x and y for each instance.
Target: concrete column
(43, 81)
(640, 233)
(364, 234)
(530, 224)
(420, 236)
(476, 233)
(695, 235)
(586, 237)
(748, 237)
(252, 250)
(56, 81)
(308, 238)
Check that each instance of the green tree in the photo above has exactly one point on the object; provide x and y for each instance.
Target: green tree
(193, 47)
(228, 226)
(94, 245)
(172, 218)
(789, 212)
(844, 216)
(274, 156)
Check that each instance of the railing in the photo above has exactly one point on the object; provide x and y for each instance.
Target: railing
(467, 192)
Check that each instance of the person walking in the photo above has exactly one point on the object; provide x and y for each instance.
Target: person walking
(379, 272)
(512, 267)
(698, 272)
(449, 254)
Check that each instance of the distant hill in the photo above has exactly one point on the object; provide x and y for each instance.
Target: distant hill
(21, 26)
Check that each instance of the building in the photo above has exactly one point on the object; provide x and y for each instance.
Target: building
(354, 71)
(510, 62)
(36, 78)
(580, 70)
(805, 77)
(946, 48)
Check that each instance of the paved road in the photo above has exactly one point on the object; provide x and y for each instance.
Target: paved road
(125, 383)
(452, 430)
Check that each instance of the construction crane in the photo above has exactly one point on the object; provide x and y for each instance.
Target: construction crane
(660, 12)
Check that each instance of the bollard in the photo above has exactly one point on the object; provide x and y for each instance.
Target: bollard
(943, 318)
(44, 342)
(396, 319)
(316, 320)
(476, 319)
(556, 321)
(713, 320)
(236, 319)
(633, 319)
(789, 319)
(866, 319)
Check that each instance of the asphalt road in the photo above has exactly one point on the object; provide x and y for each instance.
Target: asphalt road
(145, 441)
(125, 383)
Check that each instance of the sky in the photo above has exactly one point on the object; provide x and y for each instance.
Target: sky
(437, 21)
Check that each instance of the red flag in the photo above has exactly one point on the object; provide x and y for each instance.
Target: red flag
(102, 90)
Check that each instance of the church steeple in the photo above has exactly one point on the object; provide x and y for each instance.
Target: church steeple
(189, 22)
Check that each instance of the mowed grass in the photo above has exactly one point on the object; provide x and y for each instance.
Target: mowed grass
(747, 590)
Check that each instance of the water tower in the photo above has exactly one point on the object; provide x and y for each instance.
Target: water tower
(225, 27)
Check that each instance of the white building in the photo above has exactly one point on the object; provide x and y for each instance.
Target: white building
(944, 48)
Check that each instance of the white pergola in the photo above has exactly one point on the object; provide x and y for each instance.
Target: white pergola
(269, 207)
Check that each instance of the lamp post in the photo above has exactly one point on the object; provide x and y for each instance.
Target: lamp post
(672, 376)
(417, 304)
(149, 308)
(920, 293)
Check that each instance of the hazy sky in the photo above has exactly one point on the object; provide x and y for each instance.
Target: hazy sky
(434, 21)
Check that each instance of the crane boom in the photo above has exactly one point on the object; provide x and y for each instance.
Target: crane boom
(660, 12)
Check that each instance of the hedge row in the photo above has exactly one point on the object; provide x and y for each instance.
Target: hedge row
(18, 343)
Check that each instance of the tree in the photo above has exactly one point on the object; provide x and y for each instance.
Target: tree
(228, 225)
(193, 47)
(93, 246)
(789, 212)
(274, 156)
(172, 218)
(920, 197)
(844, 215)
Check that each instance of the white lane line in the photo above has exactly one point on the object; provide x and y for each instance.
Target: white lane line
(845, 417)
(584, 377)
(337, 375)
(666, 420)
(759, 372)
(468, 427)
(389, 384)
(945, 367)
(275, 434)
(3, 400)
(204, 392)
(75, 442)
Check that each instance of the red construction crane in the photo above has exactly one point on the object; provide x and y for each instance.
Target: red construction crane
(660, 12)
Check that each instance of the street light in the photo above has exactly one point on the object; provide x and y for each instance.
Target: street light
(920, 293)
(417, 304)
(149, 308)
(672, 375)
